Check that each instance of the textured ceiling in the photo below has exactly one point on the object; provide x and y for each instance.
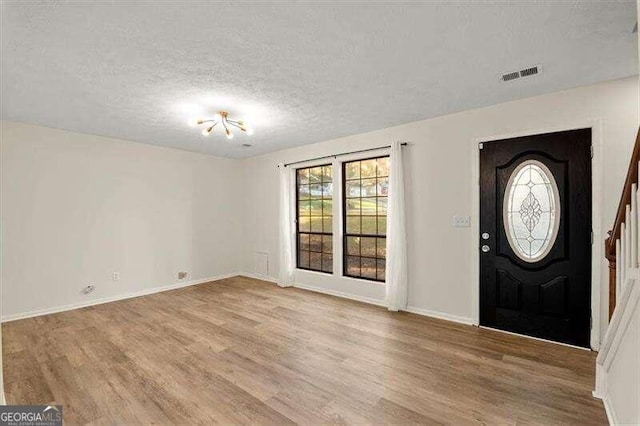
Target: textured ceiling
(300, 72)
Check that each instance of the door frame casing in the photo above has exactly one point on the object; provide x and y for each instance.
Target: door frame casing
(596, 216)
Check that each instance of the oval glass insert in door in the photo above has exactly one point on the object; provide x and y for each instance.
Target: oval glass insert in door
(531, 211)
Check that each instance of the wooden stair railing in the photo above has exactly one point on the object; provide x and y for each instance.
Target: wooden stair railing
(622, 217)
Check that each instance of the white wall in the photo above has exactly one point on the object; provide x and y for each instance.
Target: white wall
(76, 208)
(439, 186)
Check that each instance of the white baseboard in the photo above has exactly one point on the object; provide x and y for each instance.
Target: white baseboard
(378, 302)
(369, 300)
(600, 391)
(626, 313)
(258, 277)
(607, 408)
(440, 315)
(93, 302)
(336, 293)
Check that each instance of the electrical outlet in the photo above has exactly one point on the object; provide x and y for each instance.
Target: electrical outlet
(182, 275)
(115, 276)
(461, 221)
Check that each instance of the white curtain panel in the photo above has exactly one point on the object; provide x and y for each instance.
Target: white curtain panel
(285, 278)
(396, 273)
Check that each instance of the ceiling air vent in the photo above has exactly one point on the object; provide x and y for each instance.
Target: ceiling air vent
(527, 72)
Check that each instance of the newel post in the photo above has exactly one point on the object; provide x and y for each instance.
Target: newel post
(611, 257)
(612, 287)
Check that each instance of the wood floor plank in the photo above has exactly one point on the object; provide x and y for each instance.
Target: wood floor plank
(243, 351)
(25, 380)
(69, 390)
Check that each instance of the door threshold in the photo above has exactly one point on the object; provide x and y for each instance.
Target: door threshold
(535, 338)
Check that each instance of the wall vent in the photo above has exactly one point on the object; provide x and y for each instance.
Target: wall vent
(261, 263)
(526, 72)
(511, 76)
(529, 71)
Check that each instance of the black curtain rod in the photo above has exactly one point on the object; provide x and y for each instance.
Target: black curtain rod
(340, 155)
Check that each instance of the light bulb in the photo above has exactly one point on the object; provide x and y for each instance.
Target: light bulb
(229, 135)
(207, 132)
(249, 131)
(193, 122)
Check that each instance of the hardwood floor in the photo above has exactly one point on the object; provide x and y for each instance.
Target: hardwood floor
(241, 350)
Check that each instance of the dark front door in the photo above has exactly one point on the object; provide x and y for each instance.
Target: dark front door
(535, 235)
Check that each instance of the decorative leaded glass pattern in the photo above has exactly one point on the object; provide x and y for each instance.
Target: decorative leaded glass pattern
(314, 218)
(531, 210)
(366, 186)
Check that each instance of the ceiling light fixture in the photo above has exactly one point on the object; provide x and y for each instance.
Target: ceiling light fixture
(223, 119)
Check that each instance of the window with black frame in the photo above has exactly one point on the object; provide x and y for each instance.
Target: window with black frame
(366, 185)
(314, 202)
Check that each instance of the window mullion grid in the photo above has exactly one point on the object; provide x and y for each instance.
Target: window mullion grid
(311, 232)
(371, 237)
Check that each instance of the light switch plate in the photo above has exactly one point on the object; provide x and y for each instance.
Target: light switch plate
(461, 221)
